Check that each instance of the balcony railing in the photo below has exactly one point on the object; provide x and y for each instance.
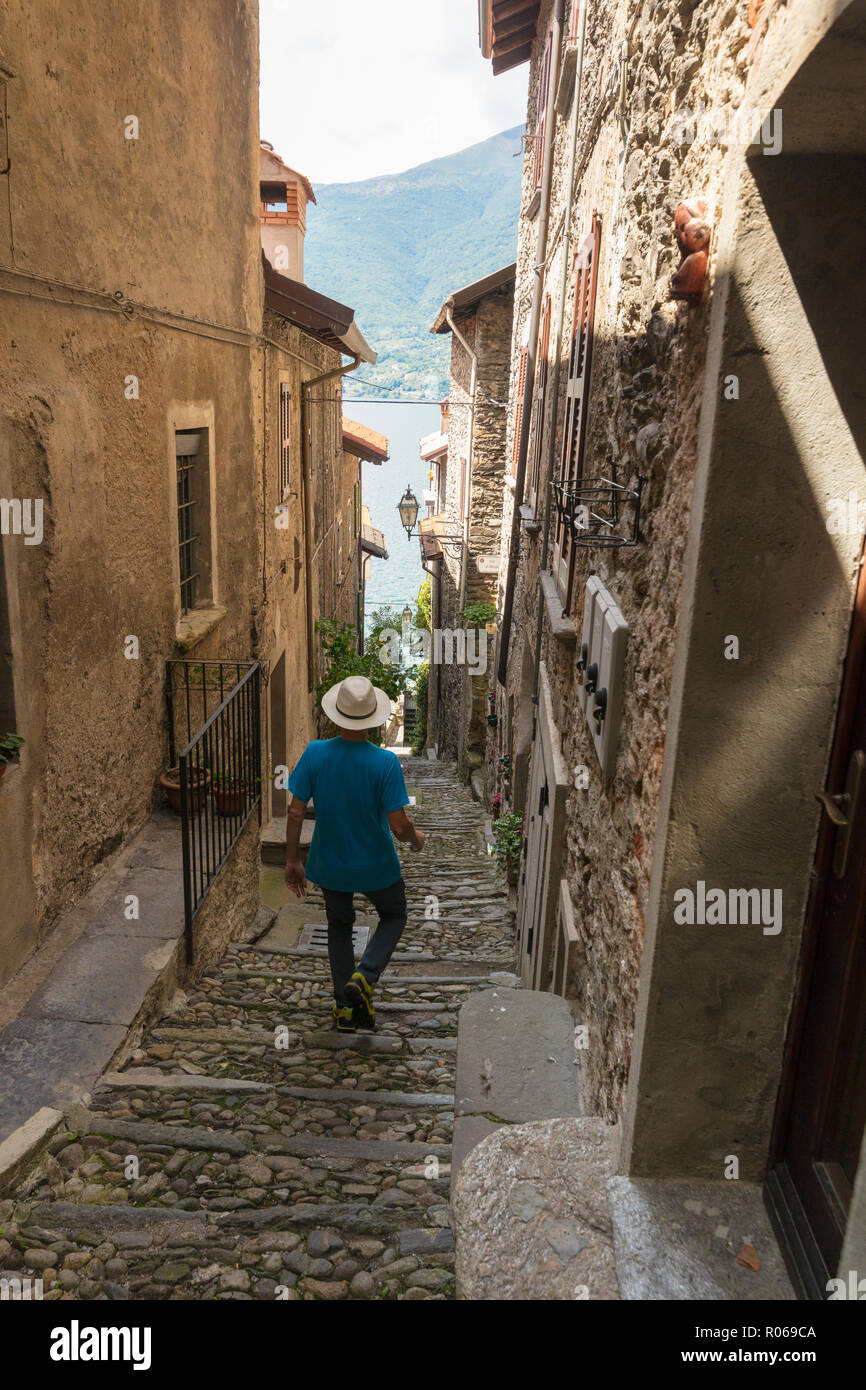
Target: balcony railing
(219, 766)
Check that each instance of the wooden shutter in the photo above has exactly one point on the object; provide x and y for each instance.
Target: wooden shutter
(518, 410)
(575, 21)
(541, 114)
(577, 394)
(541, 372)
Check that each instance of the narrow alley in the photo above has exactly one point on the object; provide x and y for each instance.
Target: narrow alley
(274, 1157)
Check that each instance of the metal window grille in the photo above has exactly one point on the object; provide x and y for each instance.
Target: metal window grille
(577, 398)
(186, 450)
(540, 399)
(285, 437)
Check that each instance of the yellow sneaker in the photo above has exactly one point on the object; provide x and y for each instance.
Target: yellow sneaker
(359, 993)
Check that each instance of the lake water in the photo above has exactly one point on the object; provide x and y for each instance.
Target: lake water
(394, 581)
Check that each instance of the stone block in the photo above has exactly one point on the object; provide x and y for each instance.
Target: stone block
(680, 1240)
(531, 1215)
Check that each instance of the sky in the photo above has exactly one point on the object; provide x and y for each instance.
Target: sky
(355, 88)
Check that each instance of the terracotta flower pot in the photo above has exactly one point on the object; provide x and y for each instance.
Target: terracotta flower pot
(231, 798)
(199, 782)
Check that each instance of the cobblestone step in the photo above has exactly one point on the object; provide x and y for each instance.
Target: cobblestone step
(313, 1169)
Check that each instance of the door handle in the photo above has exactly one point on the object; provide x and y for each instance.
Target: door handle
(842, 810)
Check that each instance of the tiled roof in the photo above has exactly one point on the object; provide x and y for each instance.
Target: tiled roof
(364, 442)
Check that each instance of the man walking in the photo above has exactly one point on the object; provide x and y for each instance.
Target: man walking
(359, 795)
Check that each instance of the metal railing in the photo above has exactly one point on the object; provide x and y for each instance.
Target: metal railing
(219, 767)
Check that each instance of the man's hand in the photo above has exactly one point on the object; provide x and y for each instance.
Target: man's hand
(296, 878)
(404, 831)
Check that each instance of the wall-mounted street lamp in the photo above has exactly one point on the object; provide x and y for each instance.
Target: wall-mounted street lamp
(408, 509)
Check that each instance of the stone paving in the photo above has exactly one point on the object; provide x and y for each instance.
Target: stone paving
(247, 1151)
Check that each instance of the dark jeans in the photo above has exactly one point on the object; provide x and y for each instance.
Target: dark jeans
(390, 903)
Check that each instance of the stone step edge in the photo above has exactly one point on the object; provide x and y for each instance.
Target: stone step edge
(348, 1216)
(314, 1146)
(180, 1081)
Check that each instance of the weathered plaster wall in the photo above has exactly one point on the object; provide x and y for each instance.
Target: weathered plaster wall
(169, 221)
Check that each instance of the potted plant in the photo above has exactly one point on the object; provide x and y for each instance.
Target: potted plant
(199, 781)
(9, 746)
(496, 806)
(507, 843)
(230, 794)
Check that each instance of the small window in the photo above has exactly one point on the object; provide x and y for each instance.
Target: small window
(285, 439)
(273, 198)
(193, 519)
(338, 422)
(350, 537)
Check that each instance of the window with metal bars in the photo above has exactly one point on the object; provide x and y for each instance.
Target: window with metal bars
(570, 468)
(186, 449)
(193, 518)
(541, 115)
(285, 439)
(541, 373)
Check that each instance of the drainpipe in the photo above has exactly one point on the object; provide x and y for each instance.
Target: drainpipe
(563, 293)
(534, 319)
(307, 457)
(473, 386)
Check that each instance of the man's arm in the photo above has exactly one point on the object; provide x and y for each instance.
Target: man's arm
(295, 876)
(402, 829)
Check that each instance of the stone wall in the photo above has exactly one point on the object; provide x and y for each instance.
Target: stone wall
(645, 397)
(488, 332)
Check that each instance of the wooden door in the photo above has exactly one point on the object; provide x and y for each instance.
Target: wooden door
(822, 1106)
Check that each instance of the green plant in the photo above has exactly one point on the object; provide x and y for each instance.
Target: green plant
(477, 614)
(9, 746)
(507, 839)
(419, 737)
(341, 657)
(423, 609)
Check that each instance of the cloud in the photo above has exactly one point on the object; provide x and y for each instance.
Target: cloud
(352, 90)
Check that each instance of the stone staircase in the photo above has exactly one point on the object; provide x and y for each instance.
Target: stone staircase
(247, 1151)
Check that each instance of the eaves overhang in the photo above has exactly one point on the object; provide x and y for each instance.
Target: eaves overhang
(325, 319)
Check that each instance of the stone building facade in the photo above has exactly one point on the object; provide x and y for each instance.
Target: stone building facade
(462, 546)
(676, 283)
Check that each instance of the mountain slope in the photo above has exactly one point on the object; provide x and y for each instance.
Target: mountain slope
(394, 247)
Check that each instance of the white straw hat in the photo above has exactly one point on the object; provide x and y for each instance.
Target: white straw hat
(355, 703)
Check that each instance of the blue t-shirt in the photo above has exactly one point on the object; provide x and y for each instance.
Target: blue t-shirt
(354, 786)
